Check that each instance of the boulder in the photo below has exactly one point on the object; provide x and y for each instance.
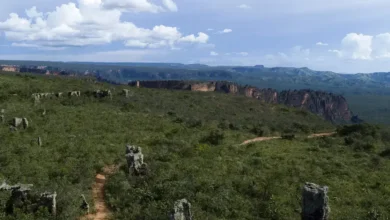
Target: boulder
(181, 210)
(135, 160)
(315, 202)
(17, 122)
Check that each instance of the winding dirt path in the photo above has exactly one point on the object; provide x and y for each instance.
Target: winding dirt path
(259, 139)
(102, 212)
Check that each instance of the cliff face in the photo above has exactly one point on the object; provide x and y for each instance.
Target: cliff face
(327, 105)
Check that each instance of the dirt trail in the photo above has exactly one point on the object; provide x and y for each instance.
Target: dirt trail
(102, 212)
(259, 139)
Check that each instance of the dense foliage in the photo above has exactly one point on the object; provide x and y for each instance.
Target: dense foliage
(179, 131)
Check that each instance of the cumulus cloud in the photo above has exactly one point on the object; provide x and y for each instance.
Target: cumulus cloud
(201, 38)
(213, 53)
(170, 5)
(244, 6)
(364, 47)
(357, 46)
(92, 23)
(321, 44)
(225, 31)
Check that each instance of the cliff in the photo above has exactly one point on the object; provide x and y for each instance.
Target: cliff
(327, 105)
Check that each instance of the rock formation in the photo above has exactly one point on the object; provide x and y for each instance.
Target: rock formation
(49, 200)
(135, 161)
(327, 105)
(84, 204)
(39, 141)
(126, 93)
(20, 121)
(20, 198)
(25, 123)
(315, 202)
(181, 210)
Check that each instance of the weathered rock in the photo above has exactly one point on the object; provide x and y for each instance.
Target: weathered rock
(103, 93)
(25, 123)
(49, 200)
(315, 202)
(84, 204)
(19, 195)
(12, 128)
(181, 210)
(17, 122)
(2, 117)
(74, 93)
(126, 93)
(135, 160)
(39, 141)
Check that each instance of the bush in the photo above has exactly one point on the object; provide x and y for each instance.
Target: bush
(215, 137)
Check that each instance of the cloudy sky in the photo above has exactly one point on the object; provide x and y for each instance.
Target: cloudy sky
(344, 36)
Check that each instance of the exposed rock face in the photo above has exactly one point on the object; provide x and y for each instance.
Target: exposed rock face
(181, 210)
(49, 200)
(315, 202)
(327, 105)
(135, 161)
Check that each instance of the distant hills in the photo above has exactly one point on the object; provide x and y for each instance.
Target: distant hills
(359, 89)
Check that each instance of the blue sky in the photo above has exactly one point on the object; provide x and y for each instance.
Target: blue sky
(346, 36)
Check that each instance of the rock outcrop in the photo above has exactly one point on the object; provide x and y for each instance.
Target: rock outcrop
(181, 210)
(315, 202)
(135, 161)
(327, 105)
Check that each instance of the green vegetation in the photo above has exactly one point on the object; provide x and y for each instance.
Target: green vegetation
(190, 142)
(82, 134)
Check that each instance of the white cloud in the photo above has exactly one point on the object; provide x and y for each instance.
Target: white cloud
(356, 46)
(225, 31)
(170, 5)
(244, 6)
(33, 13)
(136, 43)
(132, 5)
(337, 52)
(201, 38)
(213, 53)
(299, 51)
(364, 47)
(243, 54)
(381, 46)
(210, 29)
(321, 44)
(91, 23)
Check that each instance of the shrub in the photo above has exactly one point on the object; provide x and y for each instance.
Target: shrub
(215, 137)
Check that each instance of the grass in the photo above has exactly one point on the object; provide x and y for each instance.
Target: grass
(190, 144)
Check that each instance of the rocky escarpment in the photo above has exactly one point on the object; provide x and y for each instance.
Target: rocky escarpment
(327, 105)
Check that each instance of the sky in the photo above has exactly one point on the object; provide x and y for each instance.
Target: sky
(348, 36)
